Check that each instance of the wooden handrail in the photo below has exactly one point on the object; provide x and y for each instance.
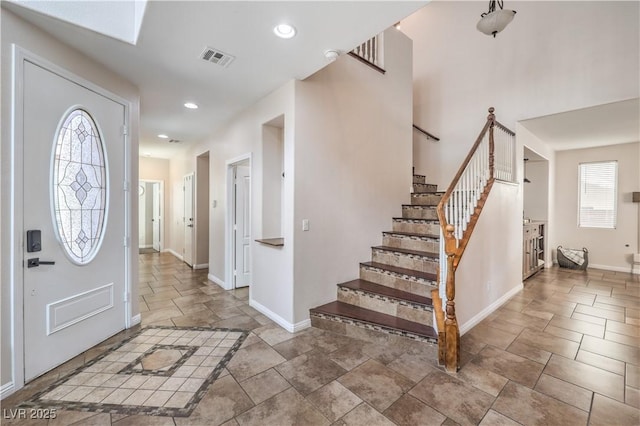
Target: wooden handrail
(471, 186)
(424, 132)
(364, 61)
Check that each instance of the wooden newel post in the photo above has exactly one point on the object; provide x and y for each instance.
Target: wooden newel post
(492, 118)
(452, 358)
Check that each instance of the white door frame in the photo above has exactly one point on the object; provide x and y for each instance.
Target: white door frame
(16, 237)
(184, 219)
(229, 243)
(161, 182)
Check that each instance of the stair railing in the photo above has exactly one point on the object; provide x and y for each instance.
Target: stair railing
(491, 157)
(371, 53)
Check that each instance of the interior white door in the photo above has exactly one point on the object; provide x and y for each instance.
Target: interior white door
(78, 301)
(155, 217)
(187, 257)
(242, 226)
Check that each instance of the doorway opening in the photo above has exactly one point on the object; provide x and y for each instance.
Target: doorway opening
(202, 212)
(238, 223)
(536, 212)
(188, 186)
(150, 216)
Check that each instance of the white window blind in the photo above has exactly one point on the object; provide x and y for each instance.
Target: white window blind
(598, 194)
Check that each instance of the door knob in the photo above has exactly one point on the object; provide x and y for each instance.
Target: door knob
(35, 262)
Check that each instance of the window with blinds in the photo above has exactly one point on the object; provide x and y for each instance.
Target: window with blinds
(598, 194)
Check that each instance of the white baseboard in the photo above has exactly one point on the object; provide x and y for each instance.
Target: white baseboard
(290, 327)
(143, 246)
(173, 253)
(627, 269)
(6, 390)
(135, 320)
(489, 309)
(216, 280)
(201, 266)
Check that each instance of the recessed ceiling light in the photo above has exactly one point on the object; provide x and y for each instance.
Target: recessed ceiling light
(284, 30)
(190, 105)
(163, 136)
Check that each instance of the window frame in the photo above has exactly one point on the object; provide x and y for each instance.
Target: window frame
(615, 194)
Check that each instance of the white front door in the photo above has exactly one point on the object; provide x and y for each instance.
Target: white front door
(242, 226)
(188, 219)
(74, 206)
(155, 216)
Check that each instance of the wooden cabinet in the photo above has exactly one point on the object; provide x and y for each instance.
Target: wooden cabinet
(532, 248)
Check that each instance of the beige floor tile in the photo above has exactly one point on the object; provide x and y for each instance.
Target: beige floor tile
(511, 366)
(530, 352)
(530, 407)
(615, 315)
(286, 408)
(493, 418)
(264, 385)
(548, 342)
(254, 359)
(606, 412)
(586, 376)
(600, 361)
(333, 400)
(482, 378)
(310, 371)
(224, 400)
(578, 326)
(410, 411)
(565, 392)
(493, 336)
(452, 397)
(611, 349)
(376, 384)
(364, 415)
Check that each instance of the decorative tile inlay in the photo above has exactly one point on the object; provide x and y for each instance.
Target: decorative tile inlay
(159, 371)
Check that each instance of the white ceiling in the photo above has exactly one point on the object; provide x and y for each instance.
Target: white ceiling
(166, 67)
(608, 124)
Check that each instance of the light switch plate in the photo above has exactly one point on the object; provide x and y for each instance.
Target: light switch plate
(305, 224)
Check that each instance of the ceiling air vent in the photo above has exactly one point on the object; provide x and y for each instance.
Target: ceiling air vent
(218, 57)
(174, 141)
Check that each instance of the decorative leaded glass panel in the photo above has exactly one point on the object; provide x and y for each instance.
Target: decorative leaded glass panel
(79, 186)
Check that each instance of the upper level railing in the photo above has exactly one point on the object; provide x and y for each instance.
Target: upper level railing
(491, 157)
(371, 52)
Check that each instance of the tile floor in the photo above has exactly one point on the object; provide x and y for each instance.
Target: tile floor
(564, 351)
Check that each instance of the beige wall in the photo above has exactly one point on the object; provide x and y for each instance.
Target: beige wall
(554, 57)
(202, 211)
(536, 192)
(353, 167)
(15, 30)
(607, 247)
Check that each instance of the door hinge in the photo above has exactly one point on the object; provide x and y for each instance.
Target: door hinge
(127, 296)
(125, 241)
(235, 227)
(126, 186)
(125, 130)
(235, 273)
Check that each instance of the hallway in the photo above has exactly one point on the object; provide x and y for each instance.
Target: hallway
(565, 350)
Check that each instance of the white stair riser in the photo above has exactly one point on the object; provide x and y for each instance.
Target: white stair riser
(410, 243)
(409, 284)
(387, 306)
(416, 227)
(420, 212)
(402, 260)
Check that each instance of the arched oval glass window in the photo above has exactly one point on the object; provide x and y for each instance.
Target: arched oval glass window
(79, 186)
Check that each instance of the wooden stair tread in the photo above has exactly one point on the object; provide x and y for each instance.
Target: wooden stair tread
(419, 206)
(402, 271)
(411, 234)
(360, 314)
(407, 251)
(390, 292)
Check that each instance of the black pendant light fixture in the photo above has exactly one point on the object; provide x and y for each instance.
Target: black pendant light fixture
(494, 21)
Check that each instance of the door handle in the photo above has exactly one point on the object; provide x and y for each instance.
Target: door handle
(190, 226)
(35, 262)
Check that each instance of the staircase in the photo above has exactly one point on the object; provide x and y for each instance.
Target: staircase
(392, 295)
